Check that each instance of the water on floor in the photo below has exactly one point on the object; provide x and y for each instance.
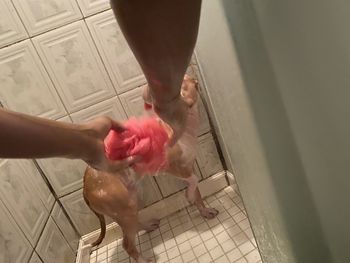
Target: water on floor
(186, 237)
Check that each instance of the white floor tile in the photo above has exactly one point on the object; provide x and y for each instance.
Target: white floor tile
(186, 237)
(176, 260)
(185, 246)
(173, 252)
(206, 258)
(223, 259)
(253, 256)
(246, 247)
(234, 255)
(199, 250)
(211, 243)
(228, 245)
(188, 256)
(216, 252)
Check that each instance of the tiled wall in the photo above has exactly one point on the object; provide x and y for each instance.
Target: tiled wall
(67, 60)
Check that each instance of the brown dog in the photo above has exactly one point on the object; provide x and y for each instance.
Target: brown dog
(115, 195)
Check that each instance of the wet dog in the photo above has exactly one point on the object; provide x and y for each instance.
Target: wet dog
(115, 195)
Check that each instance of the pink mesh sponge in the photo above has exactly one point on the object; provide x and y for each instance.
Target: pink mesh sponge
(144, 137)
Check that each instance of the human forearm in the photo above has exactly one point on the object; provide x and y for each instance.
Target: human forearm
(162, 36)
(23, 136)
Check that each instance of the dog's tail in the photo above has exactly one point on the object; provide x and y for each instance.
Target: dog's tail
(103, 229)
(102, 220)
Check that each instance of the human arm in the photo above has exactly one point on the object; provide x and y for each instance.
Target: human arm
(24, 136)
(162, 35)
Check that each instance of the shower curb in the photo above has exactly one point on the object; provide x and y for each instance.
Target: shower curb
(162, 208)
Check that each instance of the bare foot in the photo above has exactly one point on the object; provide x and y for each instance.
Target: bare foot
(209, 213)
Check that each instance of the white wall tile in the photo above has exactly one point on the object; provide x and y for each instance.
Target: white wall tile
(20, 197)
(89, 7)
(204, 126)
(132, 102)
(65, 175)
(64, 225)
(208, 158)
(42, 15)
(52, 247)
(14, 247)
(35, 258)
(111, 108)
(148, 191)
(115, 52)
(39, 184)
(83, 218)
(25, 85)
(11, 27)
(170, 184)
(74, 65)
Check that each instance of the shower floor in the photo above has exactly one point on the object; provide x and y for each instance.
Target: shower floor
(186, 237)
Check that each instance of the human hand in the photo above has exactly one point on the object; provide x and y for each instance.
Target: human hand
(174, 114)
(96, 131)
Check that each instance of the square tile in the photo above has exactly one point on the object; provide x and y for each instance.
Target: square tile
(241, 260)
(185, 246)
(173, 252)
(239, 217)
(211, 243)
(206, 258)
(244, 224)
(202, 227)
(223, 216)
(158, 249)
(176, 260)
(246, 247)
(253, 256)
(195, 241)
(228, 245)
(156, 241)
(217, 229)
(212, 222)
(169, 244)
(233, 231)
(188, 256)
(216, 252)
(228, 223)
(234, 210)
(164, 228)
(240, 238)
(154, 233)
(222, 259)
(222, 237)
(199, 250)
(167, 235)
(175, 222)
(162, 258)
(206, 235)
(234, 255)
(181, 238)
(145, 245)
(188, 238)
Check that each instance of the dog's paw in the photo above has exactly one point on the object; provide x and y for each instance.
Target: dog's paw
(151, 225)
(209, 213)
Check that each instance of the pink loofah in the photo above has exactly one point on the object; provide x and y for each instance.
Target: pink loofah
(144, 137)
